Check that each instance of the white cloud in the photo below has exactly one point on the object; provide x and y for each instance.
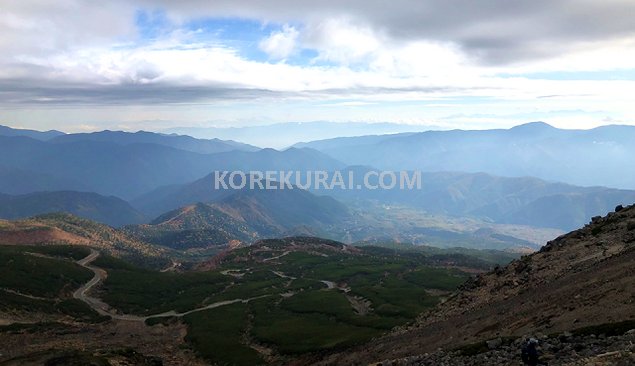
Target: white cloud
(41, 27)
(341, 40)
(590, 56)
(280, 44)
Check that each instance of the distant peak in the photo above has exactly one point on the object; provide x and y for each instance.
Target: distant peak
(539, 125)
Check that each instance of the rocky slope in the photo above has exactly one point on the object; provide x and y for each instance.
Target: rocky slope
(581, 279)
(565, 349)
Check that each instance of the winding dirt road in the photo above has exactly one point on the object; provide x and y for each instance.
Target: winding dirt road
(104, 309)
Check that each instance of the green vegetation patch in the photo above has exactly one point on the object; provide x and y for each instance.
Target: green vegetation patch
(80, 311)
(164, 320)
(73, 252)
(294, 333)
(139, 291)
(327, 302)
(395, 297)
(38, 276)
(246, 290)
(16, 302)
(74, 308)
(217, 335)
(436, 278)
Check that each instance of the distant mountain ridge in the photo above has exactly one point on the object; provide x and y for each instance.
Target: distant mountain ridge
(38, 135)
(108, 210)
(128, 170)
(283, 135)
(523, 200)
(181, 142)
(601, 156)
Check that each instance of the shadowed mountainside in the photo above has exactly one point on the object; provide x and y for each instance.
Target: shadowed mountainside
(14, 180)
(108, 210)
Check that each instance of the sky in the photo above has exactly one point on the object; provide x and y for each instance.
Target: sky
(78, 66)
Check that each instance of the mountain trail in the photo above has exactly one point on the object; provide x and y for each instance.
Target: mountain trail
(104, 309)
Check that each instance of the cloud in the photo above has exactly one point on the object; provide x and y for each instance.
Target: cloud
(39, 27)
(492, 32)
(37, 92)
(72, 53)
(280, 44)
(342, 41)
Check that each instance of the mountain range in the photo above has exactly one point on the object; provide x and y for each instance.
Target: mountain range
(283, 135)
(130, 164)
(181, 142)
(160, 173)
(38, 135)
(523, 200)
(602, 156)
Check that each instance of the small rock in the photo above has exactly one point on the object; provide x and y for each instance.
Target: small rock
(494, 343)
